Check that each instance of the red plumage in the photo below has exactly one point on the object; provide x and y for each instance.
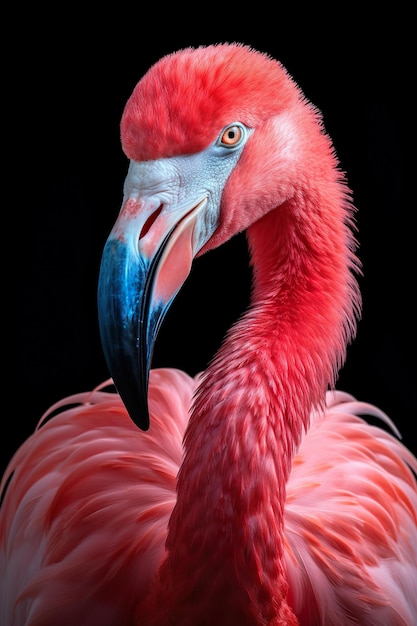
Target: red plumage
(257, 496)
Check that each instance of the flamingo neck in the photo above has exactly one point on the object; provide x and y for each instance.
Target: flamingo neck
(226, 534)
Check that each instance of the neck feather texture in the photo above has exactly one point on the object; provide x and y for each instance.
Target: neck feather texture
(225, 542)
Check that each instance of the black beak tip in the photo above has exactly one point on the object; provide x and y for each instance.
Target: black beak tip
(143, 425)
(136, 404)
(139, 413)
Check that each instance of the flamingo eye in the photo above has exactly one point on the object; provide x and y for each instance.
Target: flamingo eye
(232, 136)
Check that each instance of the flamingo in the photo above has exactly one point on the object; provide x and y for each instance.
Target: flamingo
(253, 493)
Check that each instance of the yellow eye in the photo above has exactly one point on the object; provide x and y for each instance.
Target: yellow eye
(231, 136)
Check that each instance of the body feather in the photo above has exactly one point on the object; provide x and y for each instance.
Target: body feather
(350, 493)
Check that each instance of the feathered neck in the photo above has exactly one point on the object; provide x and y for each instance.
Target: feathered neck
(226, 538)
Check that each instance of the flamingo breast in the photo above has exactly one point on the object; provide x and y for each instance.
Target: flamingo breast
(104, 497)
(350, 494)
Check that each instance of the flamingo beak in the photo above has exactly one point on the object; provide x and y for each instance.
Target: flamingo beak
(170, 211)
(145, 261)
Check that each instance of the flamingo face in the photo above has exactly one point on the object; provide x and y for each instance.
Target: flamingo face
(170, 210)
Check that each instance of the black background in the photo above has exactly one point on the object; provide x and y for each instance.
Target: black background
(69, 89)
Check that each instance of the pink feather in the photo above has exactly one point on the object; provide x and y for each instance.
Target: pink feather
(258, 496)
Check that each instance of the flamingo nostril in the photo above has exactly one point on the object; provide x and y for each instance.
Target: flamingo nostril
(151, 219)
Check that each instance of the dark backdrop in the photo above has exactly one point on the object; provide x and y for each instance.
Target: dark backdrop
(70, 90)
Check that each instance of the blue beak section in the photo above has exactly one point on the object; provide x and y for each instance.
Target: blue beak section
(129, 320)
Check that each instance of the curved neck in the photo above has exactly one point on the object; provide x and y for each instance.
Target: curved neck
(226, 542)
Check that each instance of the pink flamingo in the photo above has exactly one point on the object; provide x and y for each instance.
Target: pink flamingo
(258, 496)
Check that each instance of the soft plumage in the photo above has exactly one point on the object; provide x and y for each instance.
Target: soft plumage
(258, 496)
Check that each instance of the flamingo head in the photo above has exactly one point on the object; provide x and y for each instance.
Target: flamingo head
(207, 130)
